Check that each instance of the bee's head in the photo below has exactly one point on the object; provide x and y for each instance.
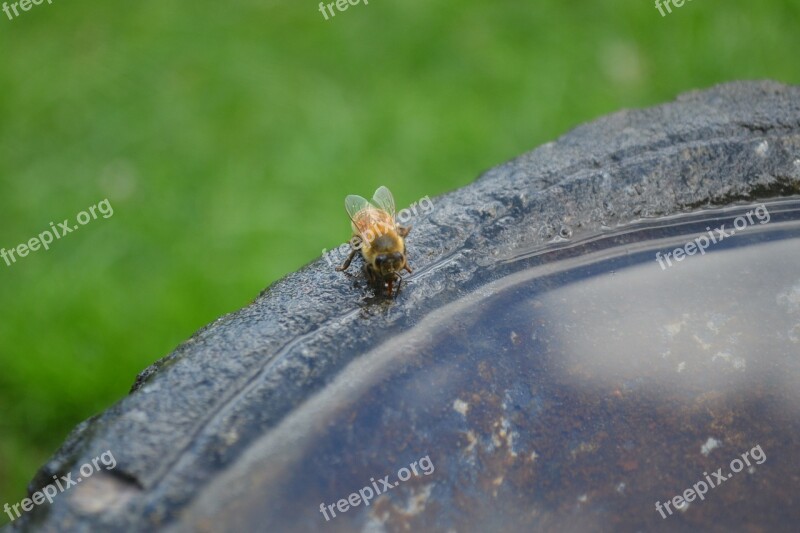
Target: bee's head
(389, 262)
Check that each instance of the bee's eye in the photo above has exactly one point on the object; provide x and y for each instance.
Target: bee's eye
(380, 260)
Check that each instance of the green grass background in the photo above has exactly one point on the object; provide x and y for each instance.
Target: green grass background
(226, 135)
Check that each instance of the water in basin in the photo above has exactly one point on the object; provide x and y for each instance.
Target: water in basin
(576, 389)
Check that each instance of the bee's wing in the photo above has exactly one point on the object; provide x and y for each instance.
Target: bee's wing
(354, 205)
(384, 200)
(360, 211)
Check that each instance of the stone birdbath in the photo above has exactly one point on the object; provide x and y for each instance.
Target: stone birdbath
(600, 335)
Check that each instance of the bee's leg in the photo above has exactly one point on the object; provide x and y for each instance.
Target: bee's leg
(370, 274)
(347, 261)
(403, 231)
(407, 268)
(399, 284)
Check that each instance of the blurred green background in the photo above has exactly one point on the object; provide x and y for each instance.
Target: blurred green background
(226, 135)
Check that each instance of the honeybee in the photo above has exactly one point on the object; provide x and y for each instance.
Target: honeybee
(379, 237)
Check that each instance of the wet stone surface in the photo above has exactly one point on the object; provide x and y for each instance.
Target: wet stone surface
(540, 369)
